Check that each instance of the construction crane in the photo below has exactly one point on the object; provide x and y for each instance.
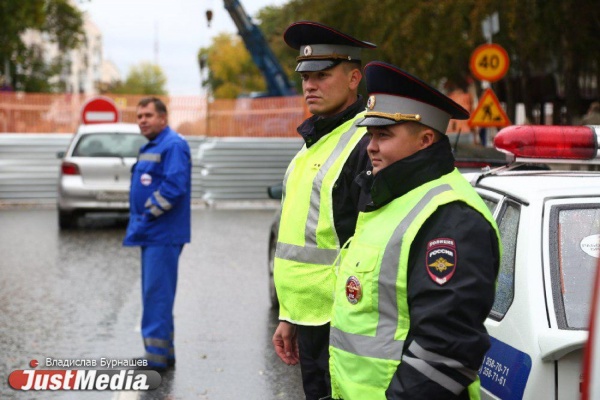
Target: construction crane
(262, 55)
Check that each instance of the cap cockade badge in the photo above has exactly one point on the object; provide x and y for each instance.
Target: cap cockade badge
(371, 102)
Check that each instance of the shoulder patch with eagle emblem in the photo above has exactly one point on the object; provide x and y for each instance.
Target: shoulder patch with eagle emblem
(441, 259)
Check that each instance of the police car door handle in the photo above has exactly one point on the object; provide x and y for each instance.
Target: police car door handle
(555, 344)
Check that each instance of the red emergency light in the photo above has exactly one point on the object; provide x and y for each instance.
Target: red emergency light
(549, 142)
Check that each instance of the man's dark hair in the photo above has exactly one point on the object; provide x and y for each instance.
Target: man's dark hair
(160, 107)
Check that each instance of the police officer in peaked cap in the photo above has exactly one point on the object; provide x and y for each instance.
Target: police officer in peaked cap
(321, 201)
(417, 281)
(322, 47)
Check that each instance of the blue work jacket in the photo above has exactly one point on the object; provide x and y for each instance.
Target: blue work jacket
(160, 193)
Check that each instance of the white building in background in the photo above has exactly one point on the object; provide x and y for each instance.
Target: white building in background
(110, 73)
(85, 69)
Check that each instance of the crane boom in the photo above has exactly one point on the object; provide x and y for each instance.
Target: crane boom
(275, 77)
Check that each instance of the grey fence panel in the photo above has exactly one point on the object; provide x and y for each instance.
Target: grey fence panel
(29, 166)
(223, 168)
(243, 168)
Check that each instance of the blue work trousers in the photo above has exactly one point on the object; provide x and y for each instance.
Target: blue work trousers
(159, 283)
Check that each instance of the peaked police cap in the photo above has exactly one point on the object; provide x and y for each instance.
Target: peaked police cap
(322, 46)
(395, 96)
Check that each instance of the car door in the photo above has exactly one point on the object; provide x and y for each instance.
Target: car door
(505, 371)
(571, 239)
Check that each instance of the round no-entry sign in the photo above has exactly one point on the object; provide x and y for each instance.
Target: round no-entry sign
(100, 110)
(489, 62)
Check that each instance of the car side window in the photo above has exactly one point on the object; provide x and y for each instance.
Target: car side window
(490, 203)
(508, 225)
(574, 248)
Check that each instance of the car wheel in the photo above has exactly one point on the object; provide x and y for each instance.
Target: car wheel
(272, 290)
(67, 219)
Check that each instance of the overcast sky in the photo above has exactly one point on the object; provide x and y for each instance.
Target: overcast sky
(130, 29)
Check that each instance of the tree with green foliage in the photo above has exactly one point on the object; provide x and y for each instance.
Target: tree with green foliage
(552, 44)
(231, 71)
(144, 78)
(22, 67)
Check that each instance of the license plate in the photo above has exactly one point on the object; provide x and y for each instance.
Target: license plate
(112, 196)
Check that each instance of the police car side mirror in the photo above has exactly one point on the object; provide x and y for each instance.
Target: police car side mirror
(275, 191)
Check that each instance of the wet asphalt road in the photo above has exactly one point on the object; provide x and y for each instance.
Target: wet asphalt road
(76, 295)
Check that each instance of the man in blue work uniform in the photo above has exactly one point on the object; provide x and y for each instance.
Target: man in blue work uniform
(160, 223)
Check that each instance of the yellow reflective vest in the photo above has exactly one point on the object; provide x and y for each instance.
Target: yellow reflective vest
(307, 242)
(367, 337)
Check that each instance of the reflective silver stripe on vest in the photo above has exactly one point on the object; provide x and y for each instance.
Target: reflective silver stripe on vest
(434, 375)
(383, 345)
(310, 254)
(365, 346)
(430, 356)
(305, 255)
(310, 232)
(153, 157)
(388, 277)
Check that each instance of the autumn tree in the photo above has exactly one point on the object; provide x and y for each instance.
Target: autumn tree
(23, 67)
(552, 44)
(231, 70)
(144, 78)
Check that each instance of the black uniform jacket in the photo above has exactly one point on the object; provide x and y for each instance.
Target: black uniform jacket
(348, 198)
(446, 321)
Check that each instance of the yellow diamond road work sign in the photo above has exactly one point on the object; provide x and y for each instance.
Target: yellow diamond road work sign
(489, 112)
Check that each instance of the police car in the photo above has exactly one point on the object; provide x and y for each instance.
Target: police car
(95, 171)
(547, 205)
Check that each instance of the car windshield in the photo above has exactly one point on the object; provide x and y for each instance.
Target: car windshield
(576, 246)
(109, 145)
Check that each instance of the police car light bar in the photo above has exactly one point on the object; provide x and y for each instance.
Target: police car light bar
(549, 142)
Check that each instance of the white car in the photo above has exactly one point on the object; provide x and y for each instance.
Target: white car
(95, 171)
(549, 221)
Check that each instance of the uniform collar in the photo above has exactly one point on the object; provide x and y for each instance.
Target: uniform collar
(315, 127)
(161, 136)
(411, 172)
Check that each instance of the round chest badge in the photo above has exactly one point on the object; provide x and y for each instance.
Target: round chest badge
(353, 290)
(146, 179)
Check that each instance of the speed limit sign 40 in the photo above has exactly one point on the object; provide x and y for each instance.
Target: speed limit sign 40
(489, 62)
